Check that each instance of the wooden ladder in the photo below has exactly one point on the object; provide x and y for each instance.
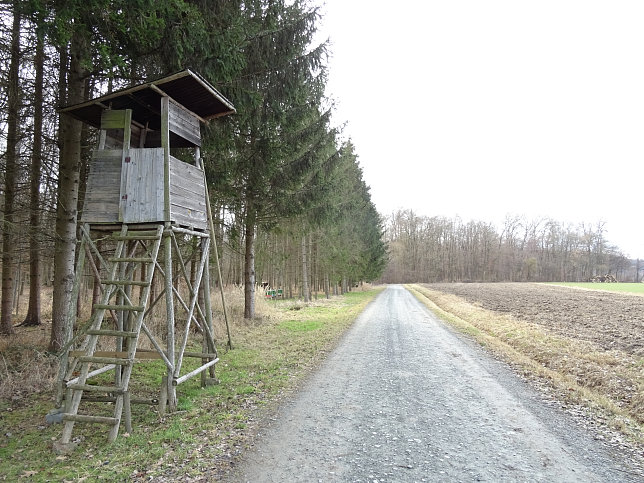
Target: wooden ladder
(116, 299)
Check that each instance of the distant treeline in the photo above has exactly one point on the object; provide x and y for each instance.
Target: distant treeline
(437, 249)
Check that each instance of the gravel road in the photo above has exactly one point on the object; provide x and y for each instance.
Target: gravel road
(404, 398)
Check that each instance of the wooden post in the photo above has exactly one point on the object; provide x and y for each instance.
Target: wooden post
(163, 396)
(127, 411)
(165, 144)
(214, 243)
(167, 248)
(127, 133)
(209, 341)
(169, 310)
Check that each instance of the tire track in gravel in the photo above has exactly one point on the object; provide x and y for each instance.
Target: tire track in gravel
(404, 398)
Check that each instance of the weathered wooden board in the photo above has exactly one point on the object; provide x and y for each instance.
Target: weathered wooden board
(187, 195)
(187, 185)
(187, 198)
(187, 218)
(113, 119)
(143, 201)
(102, 194)
(183, 123)
(125, 166)
(128, 187)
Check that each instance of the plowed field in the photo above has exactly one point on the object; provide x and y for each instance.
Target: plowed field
(609, 320)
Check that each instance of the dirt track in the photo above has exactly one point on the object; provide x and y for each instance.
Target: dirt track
(609, 320)
(404, 398)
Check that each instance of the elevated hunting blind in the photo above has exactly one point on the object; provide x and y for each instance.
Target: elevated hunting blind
(145, 218)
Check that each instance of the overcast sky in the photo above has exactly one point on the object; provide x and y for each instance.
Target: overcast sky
(484, 108)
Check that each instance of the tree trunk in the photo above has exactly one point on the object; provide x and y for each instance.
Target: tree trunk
(305, 272)
(326, 285)
(33, 312)
(11, 175)
(249, 266)
(67, 203)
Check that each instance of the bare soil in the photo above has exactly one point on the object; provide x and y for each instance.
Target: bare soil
(611, 321)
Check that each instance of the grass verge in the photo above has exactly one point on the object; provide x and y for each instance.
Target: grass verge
(212, 425)
(610, 384)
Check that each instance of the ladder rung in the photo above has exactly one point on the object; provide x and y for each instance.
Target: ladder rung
(91, 387)
(86, 418)
(141, 231)
(112, 399)
(132, 259)
(135, 308)
(125, 282)
(113, 333)
(136, 237)
(105, 360)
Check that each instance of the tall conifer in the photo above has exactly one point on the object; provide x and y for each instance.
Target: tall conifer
(280, 127)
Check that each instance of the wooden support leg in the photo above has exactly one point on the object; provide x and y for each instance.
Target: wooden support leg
(169, 303)
(209, 341)
(163, 396)
(127, 411)
(68, 399)
(118, 411)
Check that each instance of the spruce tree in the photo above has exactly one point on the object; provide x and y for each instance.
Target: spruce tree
(33, 312)
(280, 127)
(11, 179)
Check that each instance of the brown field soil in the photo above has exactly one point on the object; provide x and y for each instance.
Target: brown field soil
(610, 321)
(584, 347)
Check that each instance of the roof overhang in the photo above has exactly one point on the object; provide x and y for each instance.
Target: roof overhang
(186, 88)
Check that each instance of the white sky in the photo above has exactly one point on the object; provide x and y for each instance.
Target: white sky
(484, 108)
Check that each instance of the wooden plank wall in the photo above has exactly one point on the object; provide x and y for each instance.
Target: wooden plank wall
(136, 187)
(144, 186)
(187, 195)
(103, 187)
(184, 123)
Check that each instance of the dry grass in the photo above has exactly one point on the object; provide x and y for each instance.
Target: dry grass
(200, 441)
(611, 382)
(25, 365)
(27, 368)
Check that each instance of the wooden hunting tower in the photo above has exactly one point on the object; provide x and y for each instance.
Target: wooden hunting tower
(145, 214)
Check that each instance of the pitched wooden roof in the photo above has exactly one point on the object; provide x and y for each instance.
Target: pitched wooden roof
(187, 88)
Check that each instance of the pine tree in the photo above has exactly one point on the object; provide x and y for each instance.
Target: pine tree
(279, 125)
(33, 312)
(11, 178)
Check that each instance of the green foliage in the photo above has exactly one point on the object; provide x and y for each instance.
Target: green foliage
(118, 32)
(352, 229)
(282, 137)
